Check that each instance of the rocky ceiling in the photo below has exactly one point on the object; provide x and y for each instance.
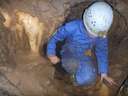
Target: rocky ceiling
(25, 27)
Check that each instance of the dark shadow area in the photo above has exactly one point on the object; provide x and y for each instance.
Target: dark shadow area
(122, 91)
(76, 11)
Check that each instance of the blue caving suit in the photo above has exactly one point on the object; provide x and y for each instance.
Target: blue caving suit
(77, 43)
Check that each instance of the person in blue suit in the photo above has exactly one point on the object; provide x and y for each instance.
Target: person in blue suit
(80, 37)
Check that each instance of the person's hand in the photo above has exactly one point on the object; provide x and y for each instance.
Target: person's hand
(108, 79)
(54, 59)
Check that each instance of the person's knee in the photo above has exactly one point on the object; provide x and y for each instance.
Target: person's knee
(86, 77)
(70, 65)
(86, 80)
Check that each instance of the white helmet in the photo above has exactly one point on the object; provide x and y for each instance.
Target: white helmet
(98, 18)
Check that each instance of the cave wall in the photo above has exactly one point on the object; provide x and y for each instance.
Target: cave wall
(44, 13)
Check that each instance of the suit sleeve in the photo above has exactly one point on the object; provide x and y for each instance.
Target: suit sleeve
(59, 35)
(102, 55)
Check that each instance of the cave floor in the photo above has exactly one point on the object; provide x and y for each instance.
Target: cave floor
(33, 73)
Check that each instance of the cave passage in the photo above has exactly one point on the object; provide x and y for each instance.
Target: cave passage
(25, 28)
